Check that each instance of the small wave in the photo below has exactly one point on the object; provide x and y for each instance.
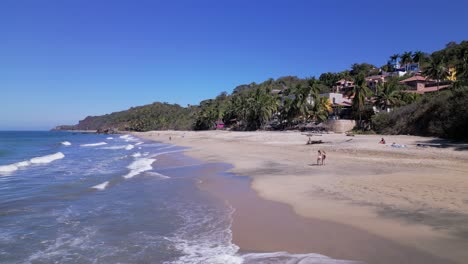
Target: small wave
(139, 166)
(101, 186)
(65, 143)
(139, 143)
(94, 144)
(6, 169)
(126, 147)
(109, 138)
(47, 158)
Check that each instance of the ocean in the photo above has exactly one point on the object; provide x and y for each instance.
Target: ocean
(87, 198)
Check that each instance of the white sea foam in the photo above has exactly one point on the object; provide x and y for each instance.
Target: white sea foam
(126, 147)
(157, 175)
(136, 155)
(6, 169)
(285, 257)
(128, 138)
(101, 186)
(47, 158)
(65, 143)
(94, 144)
(139, 143)
(109, 138)
(139, 166)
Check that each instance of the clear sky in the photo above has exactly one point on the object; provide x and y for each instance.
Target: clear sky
(61, 61)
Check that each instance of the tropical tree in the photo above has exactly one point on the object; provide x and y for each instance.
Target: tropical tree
(321, 108)
(394, 57)
(419, 57)
(360, 92)
(387, 96)
(436, 70)
(406, 58)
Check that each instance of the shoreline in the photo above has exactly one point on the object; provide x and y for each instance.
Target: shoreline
(351, 190)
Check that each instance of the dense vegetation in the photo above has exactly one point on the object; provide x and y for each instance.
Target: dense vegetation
(440, 115)
(156, 116)
(292, 102)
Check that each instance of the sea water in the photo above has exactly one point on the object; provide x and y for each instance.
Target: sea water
(87, 198)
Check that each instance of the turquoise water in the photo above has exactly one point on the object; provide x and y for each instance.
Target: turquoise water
(87, 198)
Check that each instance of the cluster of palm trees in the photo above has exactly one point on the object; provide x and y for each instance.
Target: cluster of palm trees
(409, 57)
(256, 107)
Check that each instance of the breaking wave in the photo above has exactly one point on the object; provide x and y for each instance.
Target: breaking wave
(94, 144)
(37, 160)
(101, 186)
(139, 166)
(65, 143)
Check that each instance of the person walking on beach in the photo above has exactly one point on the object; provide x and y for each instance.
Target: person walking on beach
(319, 157)
(324, 156)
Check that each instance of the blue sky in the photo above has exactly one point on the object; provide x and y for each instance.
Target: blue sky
(61, 61)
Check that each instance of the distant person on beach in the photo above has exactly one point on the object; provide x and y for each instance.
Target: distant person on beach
(170, 138)
(382, 141)
(319, 157)
(324, 156)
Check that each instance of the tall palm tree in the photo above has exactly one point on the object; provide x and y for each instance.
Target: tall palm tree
(406, 58)
(436, 70)
(360, 92)
(419, 57)
(394, 57)
(387, 95)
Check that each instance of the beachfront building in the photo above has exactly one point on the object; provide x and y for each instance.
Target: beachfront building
(341, 105)
(421, 85)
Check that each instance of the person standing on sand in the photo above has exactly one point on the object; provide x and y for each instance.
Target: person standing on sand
(319, 157)
(324, 156)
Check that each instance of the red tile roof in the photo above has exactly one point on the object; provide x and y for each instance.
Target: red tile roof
(415, 78)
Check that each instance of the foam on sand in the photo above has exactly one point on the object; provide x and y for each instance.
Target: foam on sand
(65, 143)
(101, 186)
(5, 169)
(139, 166)
(94, 144)
(158, 175)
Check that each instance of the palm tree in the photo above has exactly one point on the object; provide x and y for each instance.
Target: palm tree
(394, 58)
(406, 58)
(419, 57)
(437, 71)
(360, 92)
(387, 95)
(321, 109)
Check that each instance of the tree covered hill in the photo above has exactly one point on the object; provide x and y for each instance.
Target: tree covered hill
(155, 116)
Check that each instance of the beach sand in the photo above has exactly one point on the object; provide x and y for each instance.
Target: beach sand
(370, 202)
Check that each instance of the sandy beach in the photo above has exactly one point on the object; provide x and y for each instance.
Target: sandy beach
(385, 204)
